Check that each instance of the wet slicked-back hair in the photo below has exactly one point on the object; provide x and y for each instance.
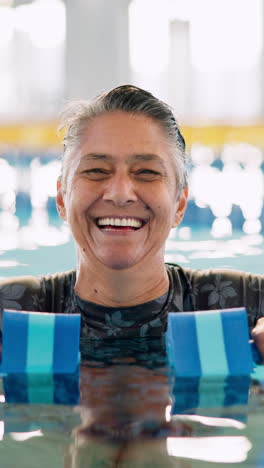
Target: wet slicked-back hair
(127, 98)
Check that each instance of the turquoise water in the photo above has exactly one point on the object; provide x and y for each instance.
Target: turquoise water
(241, 251)
(125, 409)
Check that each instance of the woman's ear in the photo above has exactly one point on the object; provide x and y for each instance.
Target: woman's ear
(60, 200)
(181, 206)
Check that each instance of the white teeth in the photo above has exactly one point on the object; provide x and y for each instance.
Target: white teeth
(129, 222)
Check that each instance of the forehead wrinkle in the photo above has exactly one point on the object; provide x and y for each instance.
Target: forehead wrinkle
(144, 157)
(96, 157)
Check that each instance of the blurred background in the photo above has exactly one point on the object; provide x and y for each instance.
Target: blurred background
(205, 58)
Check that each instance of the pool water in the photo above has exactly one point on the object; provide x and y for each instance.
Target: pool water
(241, 251)
(130, 412)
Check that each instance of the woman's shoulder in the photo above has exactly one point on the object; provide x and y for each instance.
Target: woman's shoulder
(218, 289)
(34, 292)
(17, 291)
(212, 274)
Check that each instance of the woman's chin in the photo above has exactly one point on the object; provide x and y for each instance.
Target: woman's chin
(119, 265)
(119, 262)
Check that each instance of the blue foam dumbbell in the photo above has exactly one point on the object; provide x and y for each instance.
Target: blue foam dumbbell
(36, 342)
(209, 343)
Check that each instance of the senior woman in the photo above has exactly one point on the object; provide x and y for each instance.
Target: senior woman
(123, 187)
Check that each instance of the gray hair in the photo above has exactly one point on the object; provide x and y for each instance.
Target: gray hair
(131, 99)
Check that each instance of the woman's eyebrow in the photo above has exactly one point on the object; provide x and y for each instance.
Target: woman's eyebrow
(141, 157)
(145, 157)
(96, 157)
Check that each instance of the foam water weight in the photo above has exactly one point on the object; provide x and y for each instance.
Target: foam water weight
(37, 342)
(209, 343)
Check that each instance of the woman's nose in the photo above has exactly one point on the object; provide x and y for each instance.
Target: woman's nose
(120, 190)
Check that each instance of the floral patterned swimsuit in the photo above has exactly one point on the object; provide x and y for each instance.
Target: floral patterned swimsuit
(189, 290)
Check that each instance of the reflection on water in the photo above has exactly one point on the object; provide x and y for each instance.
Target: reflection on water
(232, 449)
(225, 207)
(126, 414)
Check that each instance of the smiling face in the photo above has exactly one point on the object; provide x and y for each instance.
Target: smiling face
(120, 196)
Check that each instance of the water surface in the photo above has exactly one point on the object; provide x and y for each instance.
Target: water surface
(125, 408)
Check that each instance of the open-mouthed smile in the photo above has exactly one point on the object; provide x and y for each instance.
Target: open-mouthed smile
(119, 223)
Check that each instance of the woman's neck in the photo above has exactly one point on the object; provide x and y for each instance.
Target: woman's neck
(121, 288)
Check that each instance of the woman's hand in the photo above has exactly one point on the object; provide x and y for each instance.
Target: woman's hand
(257, 334)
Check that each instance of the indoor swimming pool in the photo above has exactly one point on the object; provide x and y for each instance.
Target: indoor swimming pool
(124, 407)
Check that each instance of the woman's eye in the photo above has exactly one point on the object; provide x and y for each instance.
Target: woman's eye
(148, 173)
(96, 172)
(96, 169)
